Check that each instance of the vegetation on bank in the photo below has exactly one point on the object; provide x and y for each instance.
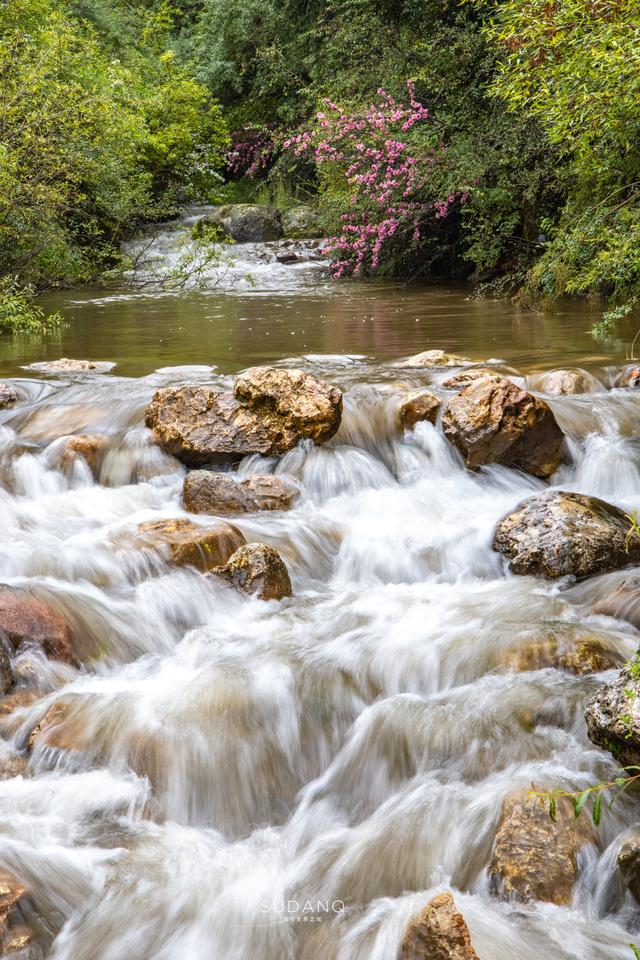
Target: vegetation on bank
(491, 138)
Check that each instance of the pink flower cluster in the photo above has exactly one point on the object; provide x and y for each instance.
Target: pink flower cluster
(252, 150)
(385, 177)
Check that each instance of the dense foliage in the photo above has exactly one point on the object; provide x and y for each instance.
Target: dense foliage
(99, 131)
(521, 166)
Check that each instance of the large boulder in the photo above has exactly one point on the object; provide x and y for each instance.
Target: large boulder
(258, 569)
(8, 395)
(559, 534)
(25, 620)
(613, 718)
(269, 412)
(189, 544)
(417, 407)
(206, 492)
(439, 932)
(535, 857)
(301, 223)
(247, 222)
(562, 383)
(494, 421)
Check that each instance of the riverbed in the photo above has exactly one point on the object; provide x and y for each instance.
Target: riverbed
(350, 747)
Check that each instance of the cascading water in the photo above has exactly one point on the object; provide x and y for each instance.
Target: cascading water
(222, 758)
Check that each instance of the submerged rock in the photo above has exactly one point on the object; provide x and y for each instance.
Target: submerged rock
(269, 412)
(301, 223)
(72, 366)
(8, 395)
(494, 421)
(15, 936)
(63, 727)
(629, 862)
(206, 492)
(189, 544)
(629, 377)
(419, 406)
(247, 222)
(435, 358)
(561, 383)
(558, 534)
(26, 620)
(623, 602)
(534, 857)
(438, 933)
(581, 656)
(613, 718)
(257, 568)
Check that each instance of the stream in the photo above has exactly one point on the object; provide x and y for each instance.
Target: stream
(350, 747)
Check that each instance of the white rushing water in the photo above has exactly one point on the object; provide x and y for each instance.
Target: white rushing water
(225, 757)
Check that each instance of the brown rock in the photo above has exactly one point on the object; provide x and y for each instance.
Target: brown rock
(270, 492)
(613, 718)
(623, 602)
(465, 377)
(190, 544)
(257, 568)
(561, 383)
(535, 858)
(435, 358)
(220, 493)
(584, 656)
(24, 620)
(63, 726)
(559, 534)
(12, 766)
(629, 862)
(269, 412)
(15, 935)
(6, 671)
(438, 933)
(88, 446)
(630, 377)
(494, 421)
(419, 406)
(8, 395)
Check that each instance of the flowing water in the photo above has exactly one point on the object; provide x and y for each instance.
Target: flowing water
(226, 761)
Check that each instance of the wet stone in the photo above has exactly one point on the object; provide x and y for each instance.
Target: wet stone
(189, 544)
(439, 932)
(26, 620)
(417, 407)
(220, 493)
(258, 569)
(8, 395)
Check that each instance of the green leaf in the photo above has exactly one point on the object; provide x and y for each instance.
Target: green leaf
(596, 813)
(579, 802)
(552, 808)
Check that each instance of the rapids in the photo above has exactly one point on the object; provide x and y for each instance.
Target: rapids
(349, 748)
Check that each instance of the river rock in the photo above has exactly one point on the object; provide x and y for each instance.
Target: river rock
(269, 412)
(27, 620)
(535, 858)
(70, 366)
(191, 545)
(6, 672)
(419, 406)
(613, 718)
(14, 765)
(257, 568)
(301, 223)
(435, 358)
(206, 492)
(462, 379)
(14, 934)
(63, 726)
(247, 222)
(629, 861)
(623, 602)
(494, 421)
(438, 933)
(89, 446)
(8, 395)
(629, 377)
(559, 534)
(582, 656)
(561, 383)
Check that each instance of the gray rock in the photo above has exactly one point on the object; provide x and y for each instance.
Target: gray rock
(301, 223)
(559, 534)
(613, 718)
(8, 395)
(220, 493)
(246, 222)
(258, 569)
